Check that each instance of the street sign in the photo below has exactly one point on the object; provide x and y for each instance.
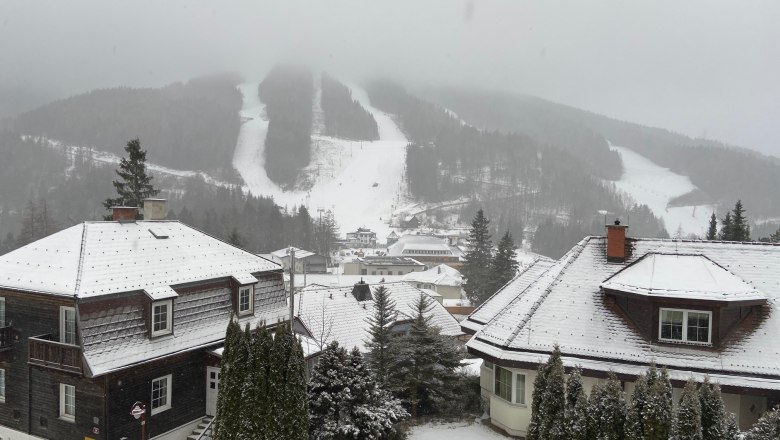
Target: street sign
(138, 410)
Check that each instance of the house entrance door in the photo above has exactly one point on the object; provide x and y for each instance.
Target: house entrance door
(212, 389)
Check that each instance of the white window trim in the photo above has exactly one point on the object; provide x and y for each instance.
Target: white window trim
(2, 315)
(685, 327)
(251, 309)
(63, 310)
(513, 386)
(168, 394)
(169, 317)
(63, 415)
(2, 385)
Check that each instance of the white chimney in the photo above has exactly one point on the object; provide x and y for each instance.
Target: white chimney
(155, 209)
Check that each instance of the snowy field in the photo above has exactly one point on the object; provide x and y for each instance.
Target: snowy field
(650, 184)
(454, 431)
(360, 182)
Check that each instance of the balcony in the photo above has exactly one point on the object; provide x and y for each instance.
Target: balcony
(6, 338)
(45, 351)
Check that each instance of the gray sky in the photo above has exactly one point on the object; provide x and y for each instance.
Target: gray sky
(705, 67)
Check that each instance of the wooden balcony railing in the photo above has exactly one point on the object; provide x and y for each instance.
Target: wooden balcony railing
(6, 338)
(46, 352)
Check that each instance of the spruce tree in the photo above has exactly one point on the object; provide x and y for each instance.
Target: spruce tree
(228, 422)
(608, 409)
(326, 392)
(380, 329)
(658, 415)
(726, 229)
(713, 413)
(235, 238)
(540, 385)
(476, 264)
(712, 231)
(775, 238)
(576, 414)
(135, 184)
(740, 229)
(767, 427)
(553, 404)
(288, 386)
(688, 424)
(732, 430)
(635, 420)
(259, 403)
(504, 265)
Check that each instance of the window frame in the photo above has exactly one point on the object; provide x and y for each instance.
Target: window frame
(64, 415)
(251, 309)
(2, 311)
(168, 316)
(513, 380)
(63, 315)
(684, 339)
(2, 385)
(168, 394)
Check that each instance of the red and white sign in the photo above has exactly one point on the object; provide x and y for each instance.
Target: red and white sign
(138, 410)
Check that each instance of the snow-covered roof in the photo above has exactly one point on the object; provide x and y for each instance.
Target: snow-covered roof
(333, 313)
(100, 258)
(441, 275)
(299, 253)
(388, 261)
(413, 244)
(682, 276)
(565, 305)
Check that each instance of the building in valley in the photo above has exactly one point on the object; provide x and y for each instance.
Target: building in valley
(699, 308)
(427, 249)
(382, 266)
(363, 237)
(102, 315)
(305, 261)
(441, 279)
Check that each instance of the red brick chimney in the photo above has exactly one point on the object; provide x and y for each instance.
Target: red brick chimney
(123, 213)
(616, 242)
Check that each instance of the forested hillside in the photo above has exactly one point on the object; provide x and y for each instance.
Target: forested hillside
(345, 118)
(519, 180)
(722, 173)
(288, 93)
(192, 125)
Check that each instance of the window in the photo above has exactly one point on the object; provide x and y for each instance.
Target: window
(245, 300)
(503, 384)
(161, 394)
(487, 364)
(689, 326)
(68, 325)
(2, 385)
(67, 402)
(162, 317)
(2, 311)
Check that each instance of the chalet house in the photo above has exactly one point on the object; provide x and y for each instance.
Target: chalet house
(383, 266)
(427, 249)
(105, 314)
(699, 308)
(305, 261)
(410, 222)
(361, 238)
(391, 238)
(341, 313)
(442, 279)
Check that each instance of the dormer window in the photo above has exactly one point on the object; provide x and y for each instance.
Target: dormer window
(685, 326)
(245, 300)
(162, 317)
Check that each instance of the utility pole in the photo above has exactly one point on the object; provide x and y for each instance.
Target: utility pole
(292, 287)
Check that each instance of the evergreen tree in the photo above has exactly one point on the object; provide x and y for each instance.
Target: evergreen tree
(380, 329)
(540, 385)
(553, 404)
(726, 229)
(635, 420)
(650, 413)
(713, 413)
(775, 238)
(37, 221)
(712, 231)
(259, 402)
(504, 266)
(688, 424)
(423, 370)
(740, 229)
(476, 264)
(608, 411)
(732, 430)
(767, 427)
(326, 235)
(235, 238)
(290, 418)
(232, 379)
(135, 184)
(576, 414)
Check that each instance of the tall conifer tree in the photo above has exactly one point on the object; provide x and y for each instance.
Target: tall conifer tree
(739, 224)
(134, 184)
(713, 413)
(553, 404)
(576, 414)
(726, 229)
(232, 380)
(712, 230)
(688, 425)
(608, 410)
(476, 265)
(380, 345)
(504, 265)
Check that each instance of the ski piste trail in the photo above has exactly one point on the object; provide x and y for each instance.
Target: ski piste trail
(653, 185)
(365, 179)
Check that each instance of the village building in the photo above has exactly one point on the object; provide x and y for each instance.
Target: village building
(102, 315)
(363, 237)
(391, 238)
(699, 308)
(382, 266)
(305, 261)
(441, 279)
(410, 222)
(427, 249)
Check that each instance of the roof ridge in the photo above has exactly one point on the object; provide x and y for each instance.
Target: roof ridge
(688, 240)
(81, 258)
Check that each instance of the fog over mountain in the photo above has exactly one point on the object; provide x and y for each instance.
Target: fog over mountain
(704, 68)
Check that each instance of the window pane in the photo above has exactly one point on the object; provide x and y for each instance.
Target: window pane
(243, 300)
(520, 388)
(671, 324)
(69, 400)
(698, 327)
(2, 312)
(2, 384)
(503, 383)
(159, 393)
(160, 317)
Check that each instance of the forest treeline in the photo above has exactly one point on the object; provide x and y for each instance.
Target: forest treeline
(345, 118)
(288, 93)
(192, 125)
(519, 181)
(752, 177)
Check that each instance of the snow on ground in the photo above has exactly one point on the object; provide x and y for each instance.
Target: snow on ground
(454, 431)
(650, 184)
(359, 181)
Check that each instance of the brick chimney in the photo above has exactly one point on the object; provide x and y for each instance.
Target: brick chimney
(155, 209)
(123, 213)
(616, 242)
(361, 291)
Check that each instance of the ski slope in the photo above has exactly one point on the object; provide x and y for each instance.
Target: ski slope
(360, 182)
(650, 184)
